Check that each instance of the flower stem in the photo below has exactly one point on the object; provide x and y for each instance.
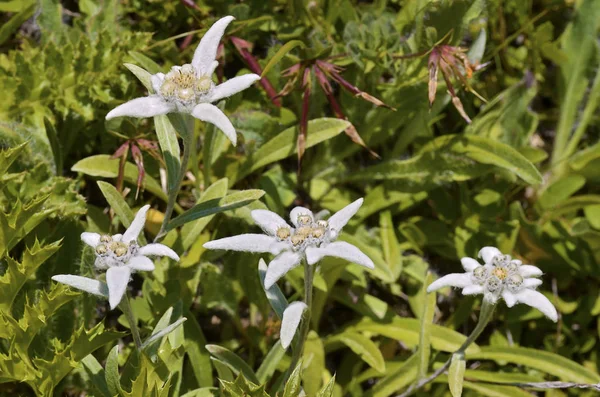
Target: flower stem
(126, 307)
(188, 136)
(298, 348)
(485, 315)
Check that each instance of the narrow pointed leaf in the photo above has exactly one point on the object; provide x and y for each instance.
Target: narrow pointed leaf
(287, 47)
(233, 361)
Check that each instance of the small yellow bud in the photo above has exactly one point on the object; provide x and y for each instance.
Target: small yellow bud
(298, 239)
(168, 88)
(105, 238)
(500, 272)
(203, 84)
(283, 233)
(322, 223)
(304, 231)
(304, 219)
(101, 249)
(318, 232)
(121, 250)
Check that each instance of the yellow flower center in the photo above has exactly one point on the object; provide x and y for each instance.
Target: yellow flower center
(318, 232)
(184, 84)
(105, 238)
(298, 239)
(304, 231)
(304, 219)
(101, 249)
(500, 272)
(283, 233)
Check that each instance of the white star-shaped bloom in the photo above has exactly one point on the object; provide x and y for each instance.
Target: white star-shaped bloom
(310, 238)
(120, 255)
(190, 89)
(500, 276)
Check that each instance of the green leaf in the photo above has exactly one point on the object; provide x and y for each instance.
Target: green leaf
(287, 47)
(233, 361)
(327, 390)
(143, 76)
(202, 392)
(314, 357)
(118, 204)
(270, 362)
(195, 343)
(284, 144)
(456, 374)
(294, 383)
(398, 379)
(97, 375)
(13, 24)
(147, 63)
(103, 166)
(214, 206)
(481, 389)
(487, 151)
(560, 190)
(113, 380)
(167, 138)
(274, 295)
(408, 330)
(362, 346)
(192, 230)
(551, 363)
(8, 156)
(426, 325)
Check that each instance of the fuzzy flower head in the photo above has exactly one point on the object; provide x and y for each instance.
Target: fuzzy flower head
(190, 88)
(309, 238)
(120, 255)
(499, 277)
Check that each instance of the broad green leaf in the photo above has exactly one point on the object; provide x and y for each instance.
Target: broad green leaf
(389, 243)
(97, 375)
(192, 230)
(551, 363)
(327, 390)
(489, 390)
(426, 325)
(560, 190)
(103, 166)
(397, 380)
(118, 204)
(314, 357)
(202, 392)
(456, 374)
(8, 156)
(233, 361)
(13, 24)
(274, 295)
(147, 63)
(195, 348)
(408, 330)
(294, 385)
(287, 47)
(487, 151)
(362, 346)
(214, 206)
(113, 379)
(167, 139)
(284, 144)
(143, 76)
(270, 362)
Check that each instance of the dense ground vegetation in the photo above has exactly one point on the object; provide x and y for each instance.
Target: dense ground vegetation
(462, 123)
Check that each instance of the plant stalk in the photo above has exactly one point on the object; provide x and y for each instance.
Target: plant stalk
(298, 348)
(485, 315)
(126, 307)
(188, 136)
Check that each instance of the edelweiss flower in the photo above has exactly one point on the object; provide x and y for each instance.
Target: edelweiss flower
(500, 276)
(120, 255)
(190, 89)
(310, 238)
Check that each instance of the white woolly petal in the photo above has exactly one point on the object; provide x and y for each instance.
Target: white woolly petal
(233, 86)
(157, 81)
(141, 263)
(211, 68)
(83, 283)
(117, 237)
(488, 253)
(509, 298)
(339, 249)
(491, 298)
(459, 280)
(136, 227)
(472, 290)
(469, 264)
(206, 52)
(539, 301)
(529, 271)
(158, 250)
(279, 266)
(532, 282)
(297, 211)
(268, 221)
(91, 239)
(292, 316)
(247, 243)
(148, 106)
(117, 279)
(214, 115)
(338, 220)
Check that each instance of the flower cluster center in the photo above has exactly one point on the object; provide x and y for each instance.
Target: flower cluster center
(503, 272)
(185, 85)
(112, 253)
(307, 233)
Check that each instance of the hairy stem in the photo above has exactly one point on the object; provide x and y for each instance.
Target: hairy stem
(298, 348)
(126, 307)
(485, 315)
(188, 136)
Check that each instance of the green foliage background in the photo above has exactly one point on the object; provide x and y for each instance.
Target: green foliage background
(523, 176)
